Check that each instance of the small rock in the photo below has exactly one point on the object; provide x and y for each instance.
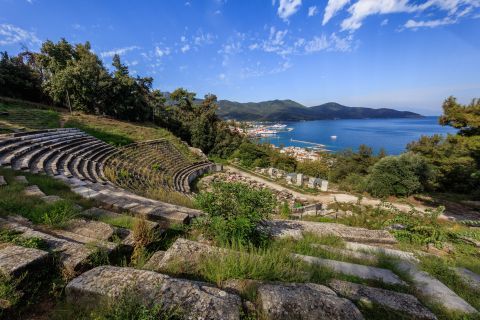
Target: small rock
(21, 179)
(154, 261)
(396, 226)
(33, 191)
(2, 181)
(51, 199)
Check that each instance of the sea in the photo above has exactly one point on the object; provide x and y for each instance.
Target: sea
(391, 134)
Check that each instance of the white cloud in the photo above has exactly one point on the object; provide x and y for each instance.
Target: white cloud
(286, 8)
(222, 76)
(333, 6)
(188, 4)
(10, 34)
(160, 52)
(119, 51)
(412, 24)
(217, 12)
(203, 39)
(384, 22)
(312, 11)
(185, 48)
(362, 9)
(331, 43)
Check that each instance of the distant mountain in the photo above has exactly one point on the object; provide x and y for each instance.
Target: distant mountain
(288, 110)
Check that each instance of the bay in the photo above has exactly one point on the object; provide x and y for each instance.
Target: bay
(391, 134)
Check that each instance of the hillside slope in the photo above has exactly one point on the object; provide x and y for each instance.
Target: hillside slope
(288, 110)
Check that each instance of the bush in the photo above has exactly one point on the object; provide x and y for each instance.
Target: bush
(401, 175)
(234, 210)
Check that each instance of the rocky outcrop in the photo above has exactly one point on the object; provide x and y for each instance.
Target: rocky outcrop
(192, 299)
(304, 301)
(402, 303)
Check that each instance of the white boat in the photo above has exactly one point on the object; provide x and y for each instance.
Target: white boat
(333, 137)
(278, 126)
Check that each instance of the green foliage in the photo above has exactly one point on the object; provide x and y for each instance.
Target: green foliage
(253, 154)
(56, 214)
(317, 168)
(348, 162)
(455, 158)
(443, 271)
(10, 294)
(285, 211)
(127, 307)
(233, 212)
(399, 175)
(18, 80)
(15, 238)
(466, 118)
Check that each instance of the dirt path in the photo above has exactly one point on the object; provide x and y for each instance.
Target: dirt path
(324, 197)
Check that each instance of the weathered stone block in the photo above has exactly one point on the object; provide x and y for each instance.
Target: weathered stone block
(304, 301)
(399, 302)
(195, 300)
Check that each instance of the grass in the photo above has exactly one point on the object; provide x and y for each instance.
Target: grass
(15, 238)
(170, 196)
(14, 202)
(442, 270)
(127, 306)
(26, 117)
(124, 221)
(10, 294)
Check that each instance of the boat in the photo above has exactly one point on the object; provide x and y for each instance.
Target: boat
(333, 137)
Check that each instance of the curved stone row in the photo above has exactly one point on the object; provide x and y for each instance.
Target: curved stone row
(79, 160)
(154, 164)
(184, 177)
(69, 152)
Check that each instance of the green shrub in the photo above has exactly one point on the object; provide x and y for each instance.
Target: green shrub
(399, 175)
(234, 211)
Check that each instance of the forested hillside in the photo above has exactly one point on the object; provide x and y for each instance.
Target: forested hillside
(288, 110)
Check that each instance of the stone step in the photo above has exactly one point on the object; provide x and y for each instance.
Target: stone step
(307, 301)
(363, 272)
(295, 229)
(193, 299)
(348, 253)
(15, 260)
(434, 290)
(405, 304)
(91, 229)
(83, 239)
(360, 247)
(73, 256)
(470, 278)
(33, 191)
(99, 214)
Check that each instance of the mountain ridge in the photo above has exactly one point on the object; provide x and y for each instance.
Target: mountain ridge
(289, 110)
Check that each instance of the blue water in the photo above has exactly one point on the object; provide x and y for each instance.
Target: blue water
(391, 134)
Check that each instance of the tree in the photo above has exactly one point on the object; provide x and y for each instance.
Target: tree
(18, 79)
(455, 158)
(466, 118)
(401, 175)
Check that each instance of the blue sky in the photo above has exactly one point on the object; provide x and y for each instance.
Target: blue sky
(405, 54)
